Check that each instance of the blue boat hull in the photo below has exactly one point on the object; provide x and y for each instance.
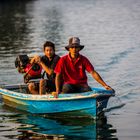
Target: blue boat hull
(87, 104)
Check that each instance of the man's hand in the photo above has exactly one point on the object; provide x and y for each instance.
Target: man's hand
(109, 88)
(37, 59)
(55, 94)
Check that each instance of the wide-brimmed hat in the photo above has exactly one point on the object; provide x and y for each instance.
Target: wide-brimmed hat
(74, 42)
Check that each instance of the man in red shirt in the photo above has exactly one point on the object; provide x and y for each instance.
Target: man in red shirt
(72, 68)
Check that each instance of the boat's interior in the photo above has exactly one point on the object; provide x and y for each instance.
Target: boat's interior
(22, 88)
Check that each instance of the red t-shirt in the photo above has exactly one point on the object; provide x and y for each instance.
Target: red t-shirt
(74, 72)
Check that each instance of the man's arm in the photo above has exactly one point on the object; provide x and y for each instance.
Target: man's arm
(58, 82)
(98, 78)
(48, 70)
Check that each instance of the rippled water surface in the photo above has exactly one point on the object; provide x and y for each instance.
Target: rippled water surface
(110, 31)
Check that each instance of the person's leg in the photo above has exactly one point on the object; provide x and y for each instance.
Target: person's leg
(67, 88)
(42, 87)
(50, 86)
(83, 88)
(33, 88)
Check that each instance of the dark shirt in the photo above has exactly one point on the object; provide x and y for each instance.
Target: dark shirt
(50, 64)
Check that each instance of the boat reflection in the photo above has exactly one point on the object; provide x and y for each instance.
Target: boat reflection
(42, 127)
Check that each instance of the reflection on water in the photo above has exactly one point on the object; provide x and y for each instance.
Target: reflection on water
(23, 25)
(27, 126)
(13, 26)
(109, 30)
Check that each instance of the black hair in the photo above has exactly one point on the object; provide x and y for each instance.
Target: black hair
(49, 44)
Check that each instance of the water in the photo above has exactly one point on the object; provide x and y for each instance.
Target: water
(109, 30)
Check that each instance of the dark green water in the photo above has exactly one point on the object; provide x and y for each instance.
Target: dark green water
(110, 31)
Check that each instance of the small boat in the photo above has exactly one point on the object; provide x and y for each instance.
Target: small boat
(89, 103)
